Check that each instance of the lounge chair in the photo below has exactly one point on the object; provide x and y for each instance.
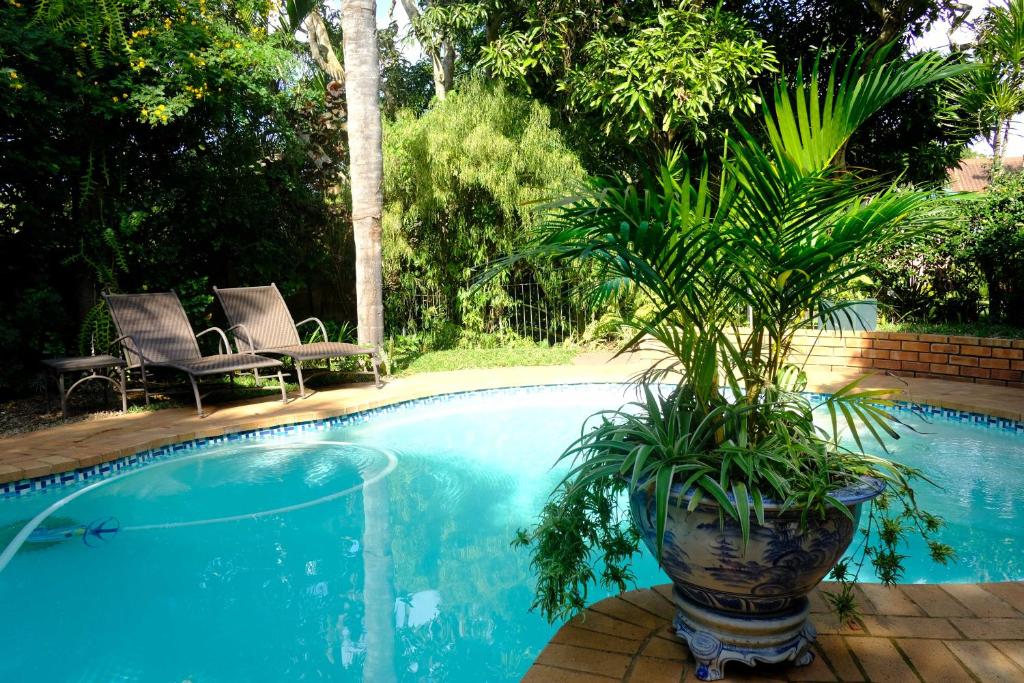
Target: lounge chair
(154, 331)
(260, 320)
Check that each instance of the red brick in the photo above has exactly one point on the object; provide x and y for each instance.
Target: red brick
(933, 338)
(887, 344)
(859, 362)
(992, 382)
(857, 343)
(995, 363)
(915, 366)
(969, 361)
(889, 600)
(942, 369)
(904, 355)
(1018, 343)
(918, 627)
(968, 350)
(1010, 592)
(945, 348)
(1008, 375)
(916, 346)
(965, 340)
(997, 342)
(903, 336)
(934, 358)
(1013, 354)
(981, 373)
(883, 364)
(872, 353)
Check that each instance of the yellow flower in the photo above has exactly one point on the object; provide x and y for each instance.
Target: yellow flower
(84, 44)
(238, 46)
(164, 118)
(14, 75)
(145, 112)
(114, 98)
(80, 74)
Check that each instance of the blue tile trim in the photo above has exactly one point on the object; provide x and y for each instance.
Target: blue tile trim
(58, 481)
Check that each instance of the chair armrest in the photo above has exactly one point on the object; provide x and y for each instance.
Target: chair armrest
(323, 330)
(120, 341)
(248, 337)
(224, 337)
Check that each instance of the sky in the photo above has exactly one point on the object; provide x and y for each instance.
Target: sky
(937, 38)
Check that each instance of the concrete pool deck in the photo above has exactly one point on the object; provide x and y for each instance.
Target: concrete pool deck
(929, 633)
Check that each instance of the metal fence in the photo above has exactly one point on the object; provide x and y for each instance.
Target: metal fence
(529, 312)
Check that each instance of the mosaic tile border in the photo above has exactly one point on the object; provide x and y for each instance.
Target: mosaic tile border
(51, 482)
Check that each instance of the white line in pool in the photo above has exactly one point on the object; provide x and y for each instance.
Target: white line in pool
(15, 545)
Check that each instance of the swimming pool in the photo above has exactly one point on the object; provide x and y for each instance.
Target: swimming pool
(372, 548)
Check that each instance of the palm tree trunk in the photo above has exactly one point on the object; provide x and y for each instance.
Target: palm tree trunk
(362, 91)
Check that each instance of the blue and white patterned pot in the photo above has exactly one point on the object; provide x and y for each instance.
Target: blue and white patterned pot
(747, 604)
(781, 563)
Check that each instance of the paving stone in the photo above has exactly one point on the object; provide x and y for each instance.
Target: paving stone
(624, 611)
(1010, 592)
(652, 602)
(890, 600)
(834, 649)
(585, 660)
(663, 648)
(917, 627)
(648, 670)
(595, 621)
(817, 671)
(933, 661)
(1014, 649)
(990, 629)
(881, 660)
(980, 602)
(936, 602)
(988, 664)
(571, 635)
(539, 673)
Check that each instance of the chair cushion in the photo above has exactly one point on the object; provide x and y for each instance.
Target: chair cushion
(224, 362)
(319, 350)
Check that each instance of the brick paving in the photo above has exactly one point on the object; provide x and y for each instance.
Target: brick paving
(957, 632)
(629, 638)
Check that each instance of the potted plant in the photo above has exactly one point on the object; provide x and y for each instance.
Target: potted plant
(720, 467)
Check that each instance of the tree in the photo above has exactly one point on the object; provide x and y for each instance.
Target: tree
(437, 29)
(908, 137)
(360, 77)
(990, 97)
(649, 79)
(362, 92)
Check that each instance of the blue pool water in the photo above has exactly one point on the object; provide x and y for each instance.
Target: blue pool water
(374, 551)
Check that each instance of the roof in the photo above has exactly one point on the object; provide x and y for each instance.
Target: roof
(972, 175)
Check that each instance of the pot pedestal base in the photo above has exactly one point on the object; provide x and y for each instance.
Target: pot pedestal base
(715, 638)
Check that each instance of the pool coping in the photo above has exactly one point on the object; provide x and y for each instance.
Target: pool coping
(81, 450)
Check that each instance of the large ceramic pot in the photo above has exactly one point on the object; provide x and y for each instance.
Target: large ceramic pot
(747, 604)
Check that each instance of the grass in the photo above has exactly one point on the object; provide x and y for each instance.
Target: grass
(462, 359)
(978, 329)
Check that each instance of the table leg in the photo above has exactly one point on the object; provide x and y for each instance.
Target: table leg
(124, 389)
(63, 396)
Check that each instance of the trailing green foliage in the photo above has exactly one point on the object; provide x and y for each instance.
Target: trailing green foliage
(996, 225)
(461, 186)
(779, 232)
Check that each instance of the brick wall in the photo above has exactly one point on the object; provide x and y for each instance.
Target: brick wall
(966, 359)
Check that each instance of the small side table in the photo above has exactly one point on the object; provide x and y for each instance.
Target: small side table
(92, 364)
